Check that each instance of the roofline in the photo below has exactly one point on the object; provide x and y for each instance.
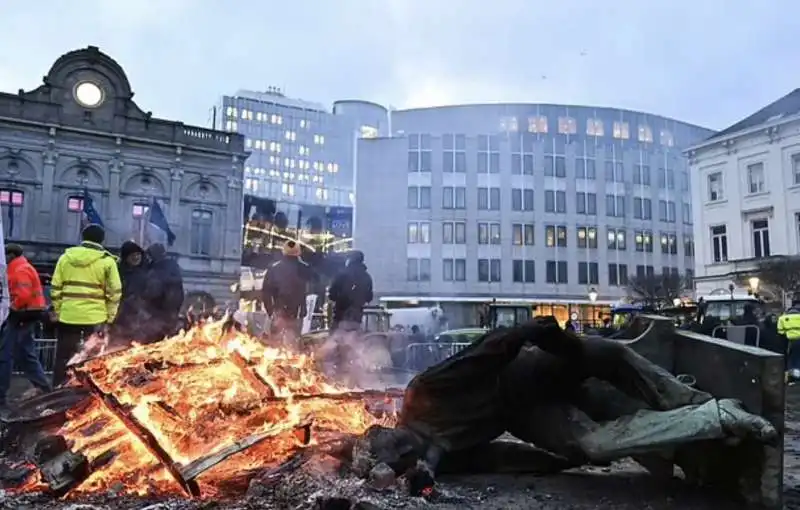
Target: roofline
(361, 101)
(628, 110)
(744, 132)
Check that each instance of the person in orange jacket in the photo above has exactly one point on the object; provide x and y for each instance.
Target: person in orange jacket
(27, 307)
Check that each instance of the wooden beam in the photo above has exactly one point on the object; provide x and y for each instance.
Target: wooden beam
(147, 438)
(196, 468)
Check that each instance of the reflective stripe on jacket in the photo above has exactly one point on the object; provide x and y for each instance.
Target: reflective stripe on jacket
(24, 286)
(789, 325)
(85, 288)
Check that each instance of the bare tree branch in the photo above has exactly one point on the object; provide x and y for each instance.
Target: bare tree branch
(782, 273)
(657, 290)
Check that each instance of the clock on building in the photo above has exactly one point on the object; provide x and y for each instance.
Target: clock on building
(88, 94)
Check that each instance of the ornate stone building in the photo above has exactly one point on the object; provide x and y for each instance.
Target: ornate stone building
(81, 132)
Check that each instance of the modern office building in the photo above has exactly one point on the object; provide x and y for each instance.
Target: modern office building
(80, 135)
(299, 177)
(544, 203)
(747, 198)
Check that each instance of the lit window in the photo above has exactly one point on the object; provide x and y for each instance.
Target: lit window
(138, 211)
(291, 135)
(666, 138)
(645, 134)
(319, 139)
(509, 124)
(302, 123)
(369, 132)
(248, 143)
(244, 114)
(322, 193)
(288, 189)
(621, 130)
(567, 126)
(258, 116)
(537, 124)
(335, 167)
(10, 197)
(229, 111)
(594, 127)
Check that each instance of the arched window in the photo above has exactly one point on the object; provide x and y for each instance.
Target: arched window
(202, 221)
(12, 201)
(73, 219)
(139, 224)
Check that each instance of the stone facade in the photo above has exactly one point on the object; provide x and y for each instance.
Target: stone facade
(66, 138)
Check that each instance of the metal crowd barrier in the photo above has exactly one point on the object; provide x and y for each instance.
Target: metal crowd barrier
(420, 356)
(46, 349)
(737, 334)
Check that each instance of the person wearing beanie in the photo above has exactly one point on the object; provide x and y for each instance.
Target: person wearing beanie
(85, 290)
(27, 307)
(133, 310)
(284, 293)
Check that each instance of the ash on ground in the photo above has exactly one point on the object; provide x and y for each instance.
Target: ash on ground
(321, 485)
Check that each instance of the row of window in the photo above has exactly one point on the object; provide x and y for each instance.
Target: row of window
(200, 230)
(567, 125)
(524, 271)
(234, 113)
(554, 166)
(756, 180)
(555, 201)
(759, 231)
(524, 234)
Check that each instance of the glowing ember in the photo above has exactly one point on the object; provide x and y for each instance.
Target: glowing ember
(196, 394)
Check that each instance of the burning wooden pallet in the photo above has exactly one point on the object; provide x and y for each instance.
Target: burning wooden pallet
(186, 415)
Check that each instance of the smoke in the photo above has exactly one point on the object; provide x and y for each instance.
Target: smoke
(139, 327)
(360, 360)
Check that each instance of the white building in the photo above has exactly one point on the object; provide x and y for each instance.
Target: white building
(746, 195)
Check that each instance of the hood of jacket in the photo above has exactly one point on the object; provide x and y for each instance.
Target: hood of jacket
(85, 254)
(18, 262)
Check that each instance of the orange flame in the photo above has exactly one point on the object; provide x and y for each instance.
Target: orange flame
(197, 393)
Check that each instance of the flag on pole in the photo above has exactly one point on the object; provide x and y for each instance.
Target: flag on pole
(90, 214)
(10, 216)
(158, 220)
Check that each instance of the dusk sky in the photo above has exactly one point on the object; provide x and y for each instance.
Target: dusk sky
(709, 62)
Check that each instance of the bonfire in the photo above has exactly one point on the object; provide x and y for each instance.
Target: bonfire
(199, 415)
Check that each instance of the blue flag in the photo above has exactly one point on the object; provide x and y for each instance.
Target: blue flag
(10, 218)
(90, 214)
(159, 220)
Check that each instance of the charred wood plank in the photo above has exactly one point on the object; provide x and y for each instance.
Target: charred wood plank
(347, 395)
(147, 438)
(194, 469)
(65, 471)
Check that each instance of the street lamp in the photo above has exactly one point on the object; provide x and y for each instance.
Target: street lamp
(754, 281)
(592, 295)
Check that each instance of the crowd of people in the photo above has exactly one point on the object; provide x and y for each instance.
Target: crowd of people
(284, 291)
(134, 297)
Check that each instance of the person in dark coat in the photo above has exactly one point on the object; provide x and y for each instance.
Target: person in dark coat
(164, 294)
(284, 293)
(133, 308)
(350, 291)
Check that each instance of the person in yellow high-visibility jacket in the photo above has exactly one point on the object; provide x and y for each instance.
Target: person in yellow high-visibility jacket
(789, 327)
(85, 291)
